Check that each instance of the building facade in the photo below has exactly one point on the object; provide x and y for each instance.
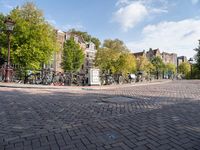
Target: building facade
(153, 53)
(88, 48)
(90, 53)
(169, 58)
(181, 59)
(57, 58)
(166, 57)
(140, 54)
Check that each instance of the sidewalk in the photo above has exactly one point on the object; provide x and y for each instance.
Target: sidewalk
(17, 85)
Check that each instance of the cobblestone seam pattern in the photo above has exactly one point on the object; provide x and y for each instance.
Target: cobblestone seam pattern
(152, 117)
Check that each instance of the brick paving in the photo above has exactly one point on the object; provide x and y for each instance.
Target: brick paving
(153, 117)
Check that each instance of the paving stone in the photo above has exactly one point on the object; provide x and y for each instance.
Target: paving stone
(162, 116)
(141, 148)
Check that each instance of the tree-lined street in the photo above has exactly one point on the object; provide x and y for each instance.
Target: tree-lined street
(103, 75)
(161, 116)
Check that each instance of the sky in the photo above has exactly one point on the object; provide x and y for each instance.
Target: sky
(170, 25)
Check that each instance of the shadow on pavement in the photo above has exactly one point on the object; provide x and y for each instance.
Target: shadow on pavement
(139, 118)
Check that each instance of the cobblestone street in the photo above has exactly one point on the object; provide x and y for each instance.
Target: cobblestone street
(164, 116)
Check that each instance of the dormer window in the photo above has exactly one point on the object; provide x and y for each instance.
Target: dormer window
(87, 45)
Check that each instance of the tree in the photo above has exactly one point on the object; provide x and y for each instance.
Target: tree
(87, 37)
(3, 39)
(33, 40)
(2, 19)
(197, 56)
(195, 72)
(143, 64)
(105, 59)
(116, 45)
(185, 69)
(114, 57)
(125, 64)
(170, 69)
(158, 65)
(73, 56)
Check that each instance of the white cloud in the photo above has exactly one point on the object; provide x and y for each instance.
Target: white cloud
(132, 12)
(159, 10)
(194, 1)
(130, 15)
(179, 37)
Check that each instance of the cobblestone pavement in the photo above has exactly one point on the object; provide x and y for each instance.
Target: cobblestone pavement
(155, 117)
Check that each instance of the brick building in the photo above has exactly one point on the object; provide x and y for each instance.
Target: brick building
(140, 54)
(181, 59)
(169, 58)
(153, 53)
(88, 47)
(166, 57)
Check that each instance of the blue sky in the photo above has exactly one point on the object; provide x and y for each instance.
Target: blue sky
(170, 25)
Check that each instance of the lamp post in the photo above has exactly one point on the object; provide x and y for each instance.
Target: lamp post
(9, 28)
(191, 60)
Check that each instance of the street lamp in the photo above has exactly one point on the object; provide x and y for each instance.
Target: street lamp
(191, 60)
(9, 28)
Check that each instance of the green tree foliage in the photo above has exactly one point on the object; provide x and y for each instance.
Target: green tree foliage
(105, 59)
(197, 56)
(195, 72)
(2, 19)
(185, 69)
(33, 40)
(158, 66)
(126, 63)
(170, 69)
(3, 37)
(143, 64)
(116, 45)
(73, 56)
(87, 37)
(114, 57)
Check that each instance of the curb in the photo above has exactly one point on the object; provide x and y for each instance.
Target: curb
(6, 85)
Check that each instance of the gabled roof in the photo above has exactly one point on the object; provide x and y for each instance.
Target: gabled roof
(156, 51)
(80, 38)
(138, 54)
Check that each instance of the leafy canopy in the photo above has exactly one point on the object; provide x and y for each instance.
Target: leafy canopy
(170, 68)
(73, 56)
(34, 40)
(184, 68)
(3, 37)
(115, 57)
(116, 45)
(158, 64)
(126, 63)
(197, 56)
(143, 64)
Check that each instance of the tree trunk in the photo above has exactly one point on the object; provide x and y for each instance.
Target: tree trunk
(157, 74)
(70, 78)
